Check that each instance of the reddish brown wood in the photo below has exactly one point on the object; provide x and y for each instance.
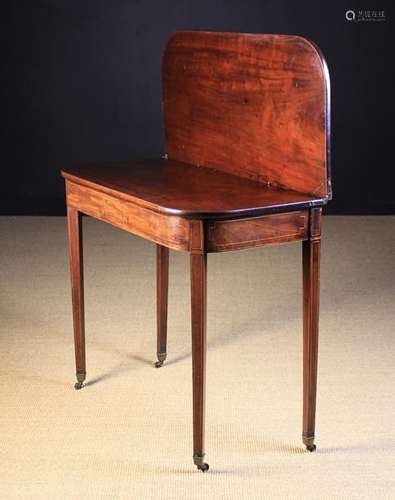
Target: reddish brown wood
(174, 188)
(253, 105)
(236, 234)
(162, 288)
(74, 224)
(247, 140)
(173, 232)
(199, 346)
(311, 291)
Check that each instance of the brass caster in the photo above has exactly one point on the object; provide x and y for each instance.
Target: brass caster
(198, 461)
(308, 441)
(80, 378)
(204, 467)
(161, 359)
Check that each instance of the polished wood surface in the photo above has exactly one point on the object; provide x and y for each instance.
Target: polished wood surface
(162, 292)
(311, 294)
(247, 165)
(172, 232)
(249, 104)
(74, 225)
(176, 232)
(174, 188)
(236, 234)
(198, 263)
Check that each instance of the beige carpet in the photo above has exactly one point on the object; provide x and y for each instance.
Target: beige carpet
(128, 433)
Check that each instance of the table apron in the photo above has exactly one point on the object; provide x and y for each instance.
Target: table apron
(178, 233)
(238, 234)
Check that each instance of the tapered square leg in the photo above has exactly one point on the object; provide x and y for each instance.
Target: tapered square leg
(199, 348)
(311, 290)
(162, 290)
(74, 224)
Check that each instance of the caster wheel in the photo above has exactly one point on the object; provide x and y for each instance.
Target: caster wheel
(311, 448)
(198, 461)
(161, 359)
(204, 467)
(78, 386)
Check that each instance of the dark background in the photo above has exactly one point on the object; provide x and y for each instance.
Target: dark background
(82, 83)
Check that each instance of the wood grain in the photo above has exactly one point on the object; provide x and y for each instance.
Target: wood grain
(237, 234)
(247, 138)
(199, 347)
(174, 188)
(311, 299)
(172, 232)
(162, 292)
(74, 225)
(256, 106)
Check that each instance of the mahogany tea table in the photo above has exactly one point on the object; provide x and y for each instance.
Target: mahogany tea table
(246, 120)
